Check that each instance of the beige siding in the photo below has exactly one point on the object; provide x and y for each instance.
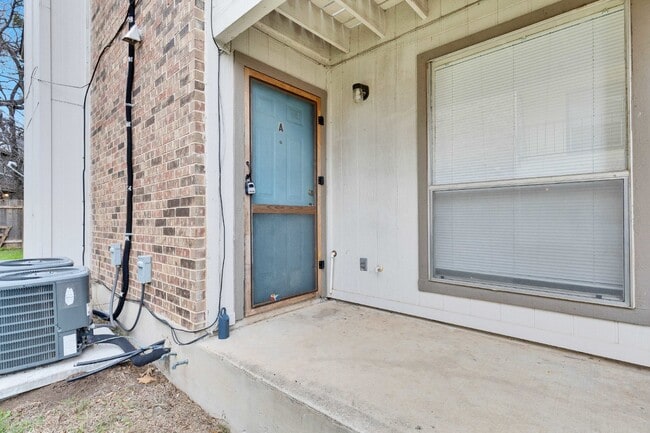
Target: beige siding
(256, 44)
(372, 195)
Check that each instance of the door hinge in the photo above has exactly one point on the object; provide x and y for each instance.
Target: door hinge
(321, 264)
(321, 120)
(321, 180)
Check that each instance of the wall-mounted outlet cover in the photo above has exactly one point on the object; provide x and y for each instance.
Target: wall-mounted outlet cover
(116, 254)
(144, 269)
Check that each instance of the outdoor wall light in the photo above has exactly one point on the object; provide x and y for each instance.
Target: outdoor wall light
(133, 36)
(360, 92)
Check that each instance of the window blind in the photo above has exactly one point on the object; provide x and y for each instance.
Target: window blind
(551, 104)
(565, 238)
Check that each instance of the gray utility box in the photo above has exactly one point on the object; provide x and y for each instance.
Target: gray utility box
(144, 269)
(43, 316)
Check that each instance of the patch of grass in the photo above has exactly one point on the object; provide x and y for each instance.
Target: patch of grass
(9, 425)
(4, 421)
(11, 254)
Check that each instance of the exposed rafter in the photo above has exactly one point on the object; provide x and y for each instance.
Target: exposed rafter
(390, 4)
(312, 27)
(314, 19)
(235, 16)
(368, 13)
(293, 35)
(421, 7)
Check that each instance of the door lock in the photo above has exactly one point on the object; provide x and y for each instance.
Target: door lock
(249, 185)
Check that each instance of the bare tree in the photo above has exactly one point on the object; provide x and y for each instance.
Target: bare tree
(11, 96)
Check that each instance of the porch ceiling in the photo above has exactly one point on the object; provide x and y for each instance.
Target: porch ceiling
(314, 27)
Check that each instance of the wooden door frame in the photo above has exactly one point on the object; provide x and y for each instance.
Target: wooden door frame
(249, 310)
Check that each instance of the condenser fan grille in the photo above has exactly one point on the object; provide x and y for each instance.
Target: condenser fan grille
(27, 327)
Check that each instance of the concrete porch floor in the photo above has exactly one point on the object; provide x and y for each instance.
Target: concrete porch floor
(336, 367)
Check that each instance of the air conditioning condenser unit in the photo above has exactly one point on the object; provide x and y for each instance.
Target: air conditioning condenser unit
(44, 315)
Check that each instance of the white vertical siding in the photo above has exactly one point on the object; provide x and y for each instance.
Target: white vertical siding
(56, 56)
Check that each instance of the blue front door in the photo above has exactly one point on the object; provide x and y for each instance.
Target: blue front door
(283, 208)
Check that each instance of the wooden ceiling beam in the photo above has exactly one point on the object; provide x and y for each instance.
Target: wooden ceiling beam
(368, 13)
(295, 36)
(314, 19)
(233, 17)
(421, 7)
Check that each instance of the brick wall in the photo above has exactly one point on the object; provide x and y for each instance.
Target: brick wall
(168, 152)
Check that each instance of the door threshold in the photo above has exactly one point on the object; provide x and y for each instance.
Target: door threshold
(249, 320)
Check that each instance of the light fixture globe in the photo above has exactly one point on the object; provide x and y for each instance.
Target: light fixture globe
(360, 92)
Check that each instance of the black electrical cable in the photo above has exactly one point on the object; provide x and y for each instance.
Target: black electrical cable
(173, 329)
(129, 167)
(130, 18)
(85, 127)
(222, 219)
(137, 317)
(138, 357)
(219, 146)
(123, 356)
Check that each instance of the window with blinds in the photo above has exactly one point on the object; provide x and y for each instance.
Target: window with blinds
(529, 163)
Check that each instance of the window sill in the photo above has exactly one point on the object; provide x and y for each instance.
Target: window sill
(619, 312)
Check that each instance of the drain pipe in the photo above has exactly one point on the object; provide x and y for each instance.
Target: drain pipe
(330, 286)
(128, 233)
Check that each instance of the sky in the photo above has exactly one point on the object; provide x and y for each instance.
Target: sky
(8, 71)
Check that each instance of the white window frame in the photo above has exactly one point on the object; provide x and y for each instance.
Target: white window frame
(569, 18)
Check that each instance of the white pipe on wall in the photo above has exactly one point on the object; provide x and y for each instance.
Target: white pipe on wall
(330, 283)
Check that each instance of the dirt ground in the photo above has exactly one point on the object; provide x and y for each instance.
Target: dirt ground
(114, 401)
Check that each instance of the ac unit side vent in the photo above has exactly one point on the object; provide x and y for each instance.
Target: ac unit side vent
(27, 312)
(27, 326)
(17, 345)
(21, 292)
(25, 319)
(39, 326)
(27, 361)
(21, 351)
(17, 296)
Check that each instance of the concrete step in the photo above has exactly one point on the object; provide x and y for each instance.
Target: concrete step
(336, 367)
